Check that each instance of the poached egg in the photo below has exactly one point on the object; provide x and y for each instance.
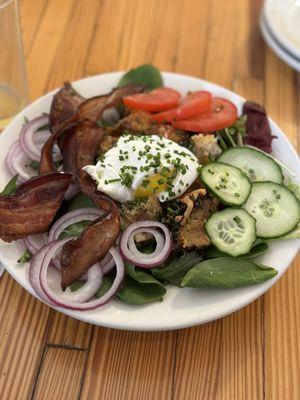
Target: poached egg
(141, 166)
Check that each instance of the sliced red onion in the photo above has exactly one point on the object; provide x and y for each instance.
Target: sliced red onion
(160, 241)
(40, 264)
(71, 192)
(26, 136)
(35, 242)
(82, 214)
(16, 162)
(107, 264)
(94, 278)
(34, 273)
(163, 244)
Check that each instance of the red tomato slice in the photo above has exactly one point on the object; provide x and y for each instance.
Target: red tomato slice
(193, 104)
(222, 114)
(159, 99)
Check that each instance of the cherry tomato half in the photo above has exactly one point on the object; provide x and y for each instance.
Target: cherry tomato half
(193, 104)
(159, 99)
(223, 113)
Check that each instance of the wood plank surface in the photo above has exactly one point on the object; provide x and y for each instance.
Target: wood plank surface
(60, 375)
(253, 354)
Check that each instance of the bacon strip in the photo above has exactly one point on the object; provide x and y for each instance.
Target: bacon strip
(79, 149)
(90, 109)
(93, 108)
(81, 140)
(64, 105)
(33, 207)
(92, 245)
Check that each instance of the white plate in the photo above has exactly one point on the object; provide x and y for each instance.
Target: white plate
(276, 47)
(181, 307)
(283, 18)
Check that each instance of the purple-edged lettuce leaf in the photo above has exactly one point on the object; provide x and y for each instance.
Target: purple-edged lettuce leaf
(258, 131)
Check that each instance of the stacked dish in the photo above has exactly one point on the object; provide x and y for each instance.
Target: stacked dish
(280, 27)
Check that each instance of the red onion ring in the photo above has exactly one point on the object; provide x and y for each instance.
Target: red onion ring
(94, 278)
(26, 137)
(38, 279)
(71, 192)
(130, 252)
(35, 242)
(157, 236)
(92, 284)
(15, 162)
(107, 263)
(82, 214)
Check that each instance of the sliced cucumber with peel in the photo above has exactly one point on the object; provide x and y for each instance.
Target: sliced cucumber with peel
(228, 183)
(258, 166)
(232, 231)
(275, 208)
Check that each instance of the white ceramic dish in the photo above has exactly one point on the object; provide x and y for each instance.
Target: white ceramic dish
(283, 19)
(276, 46)
(181, 307)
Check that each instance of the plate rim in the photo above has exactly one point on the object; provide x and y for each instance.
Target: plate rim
(157, 326)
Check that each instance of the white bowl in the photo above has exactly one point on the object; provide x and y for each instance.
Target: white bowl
(275, 45)
(283, 19)
(180, 307)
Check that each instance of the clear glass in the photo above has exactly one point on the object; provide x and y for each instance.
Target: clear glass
(13, 77)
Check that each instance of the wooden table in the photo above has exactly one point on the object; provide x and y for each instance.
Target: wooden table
(252, 354)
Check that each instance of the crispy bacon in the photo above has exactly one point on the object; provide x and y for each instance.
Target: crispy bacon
(80, 144)
(78, 255)
(90, 109)
(80, 147)
(64, 105)
(33, 207)
(93, 108)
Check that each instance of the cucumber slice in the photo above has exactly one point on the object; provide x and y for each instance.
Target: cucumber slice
(228, 183)
(275, 208)
(257, 165)
(232, 231)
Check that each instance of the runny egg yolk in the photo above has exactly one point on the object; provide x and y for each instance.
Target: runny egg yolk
(154, 184)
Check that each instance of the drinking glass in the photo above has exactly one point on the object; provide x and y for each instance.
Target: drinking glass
(13, 78)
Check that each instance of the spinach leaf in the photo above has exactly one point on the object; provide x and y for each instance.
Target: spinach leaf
(74, 229)
(175, 269)
(80, 201)
(34, 164)
(140, 287)
(227, 272)
(43, 128)
(145, 74)
(106, 285)
(11, 186)
(76, 286)
(25, 257)
(213, 252)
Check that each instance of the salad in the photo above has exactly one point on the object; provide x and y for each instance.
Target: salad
(123, 194)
